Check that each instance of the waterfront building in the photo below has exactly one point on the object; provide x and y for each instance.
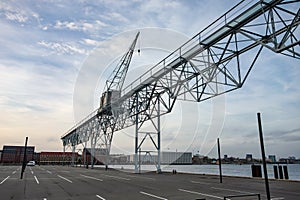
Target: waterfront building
(249, 157)
(272, 158)
(57, 158)
(15, 154)
(176, 157)
(99, 157)
(167, 157)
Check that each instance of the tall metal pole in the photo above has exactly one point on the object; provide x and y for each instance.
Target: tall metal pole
(220, 161)
(24, 158)
(263, 156)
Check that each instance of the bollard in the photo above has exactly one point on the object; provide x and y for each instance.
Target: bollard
(256, 171)
(286, 174)
(280, 172)
(275, 171)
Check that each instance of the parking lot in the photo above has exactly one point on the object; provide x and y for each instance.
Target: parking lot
(63, 182)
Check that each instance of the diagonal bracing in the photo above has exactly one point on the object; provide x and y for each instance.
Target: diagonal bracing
(220, 56)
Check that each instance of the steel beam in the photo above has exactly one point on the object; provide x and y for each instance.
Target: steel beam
(222, 54)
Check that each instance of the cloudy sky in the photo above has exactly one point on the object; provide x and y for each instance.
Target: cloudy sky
(48, 46)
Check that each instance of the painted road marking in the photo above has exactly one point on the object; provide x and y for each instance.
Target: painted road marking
(193, 192)
(65, 171)
(117, 177)
(239, 191)
(64, 178)
(31, 172)
(277, 198)
(14, 172)
(37, 181)
(49, 172)
(100, 197)
(152, 195)
(141, 177)
(200, 182)
(90, 177)
(4, 180)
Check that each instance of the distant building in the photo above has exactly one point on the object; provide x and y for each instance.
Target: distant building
(57, 158)
(176, 157)
(36, 157)
(272, 158)
(249, 157)
(167, 158)
(99, 157)
(15, 154)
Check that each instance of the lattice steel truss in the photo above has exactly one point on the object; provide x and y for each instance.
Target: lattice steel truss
(223, 54)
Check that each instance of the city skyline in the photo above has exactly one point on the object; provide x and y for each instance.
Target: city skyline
(45, 46)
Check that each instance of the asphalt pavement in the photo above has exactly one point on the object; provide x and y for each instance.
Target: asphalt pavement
(64, 182)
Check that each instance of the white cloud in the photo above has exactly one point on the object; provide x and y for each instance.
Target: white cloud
(91, 42)
(63, 48)
(81, 25)
(13, 13)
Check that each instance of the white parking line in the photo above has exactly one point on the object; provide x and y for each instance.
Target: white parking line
(141, 177)
(49, 172)
(4, 180)
(37, 181)
(65, 178)
(14, 172)
(117, 177)
(239, 191)
(31, 172)
(200, 182)
(90, 177)
(152, 195)
(193, 192)
(100, 197)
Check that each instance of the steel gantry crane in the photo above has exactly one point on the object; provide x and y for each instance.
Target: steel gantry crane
(220, 56)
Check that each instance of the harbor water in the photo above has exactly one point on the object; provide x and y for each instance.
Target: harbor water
(227, 169)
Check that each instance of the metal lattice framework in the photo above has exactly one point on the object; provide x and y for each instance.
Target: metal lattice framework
(222, 54)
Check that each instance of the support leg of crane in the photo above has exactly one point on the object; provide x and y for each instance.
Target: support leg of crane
(136, 166)
(93, 144)
(107, 145)
(64, 155)
(84, 152)
(73, 155)
(158, 135)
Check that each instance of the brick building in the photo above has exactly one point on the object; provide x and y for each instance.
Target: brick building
(57, 158)
(99, 158)
(15, 154)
